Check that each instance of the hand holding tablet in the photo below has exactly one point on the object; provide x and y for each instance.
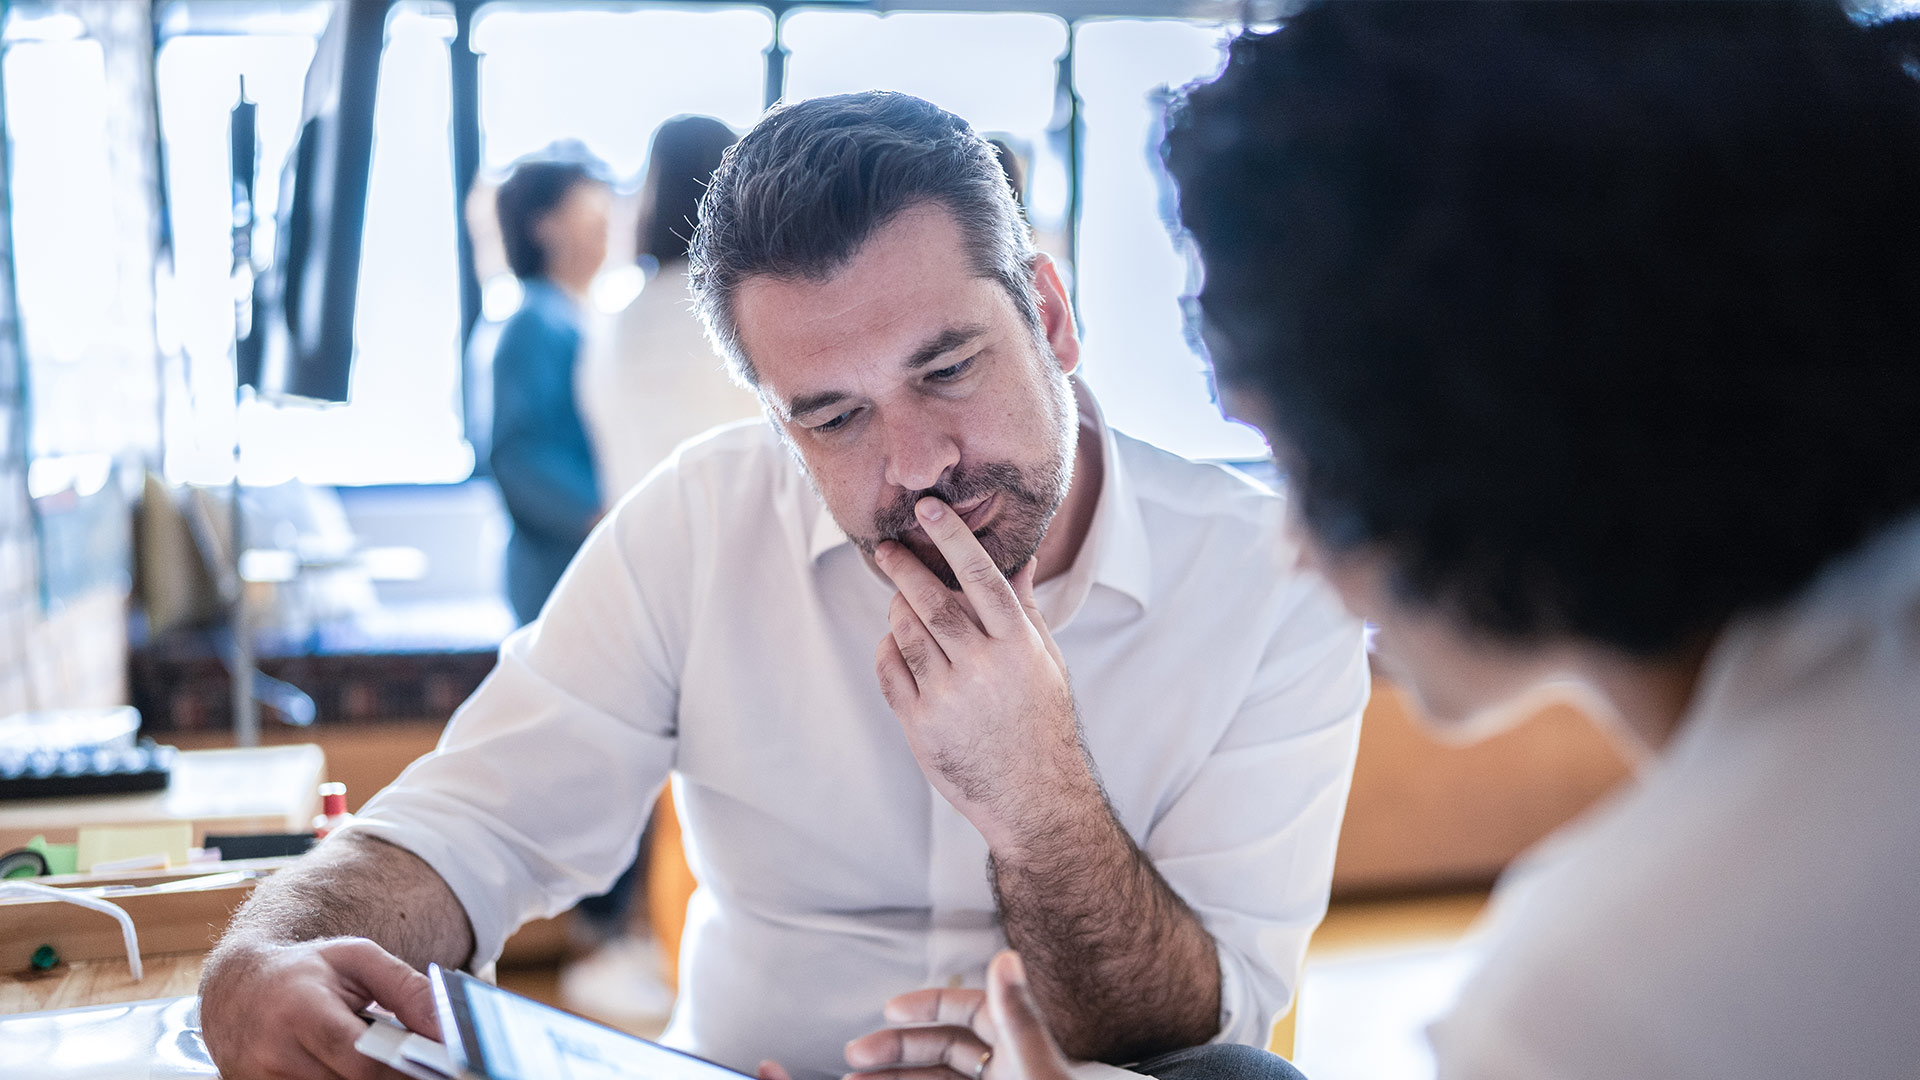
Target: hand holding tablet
(493, 1034)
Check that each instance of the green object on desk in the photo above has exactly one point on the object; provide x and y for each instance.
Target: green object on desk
(44, 958)
(61, 858)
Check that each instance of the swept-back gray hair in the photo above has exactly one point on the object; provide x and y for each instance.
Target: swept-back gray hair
(798, 196)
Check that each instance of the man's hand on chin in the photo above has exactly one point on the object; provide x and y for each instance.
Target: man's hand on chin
(981, 688)
(996, 1034)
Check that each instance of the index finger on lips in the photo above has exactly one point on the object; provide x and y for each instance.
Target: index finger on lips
(980, 579)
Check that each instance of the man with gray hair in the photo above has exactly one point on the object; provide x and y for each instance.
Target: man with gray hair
(1101, 724)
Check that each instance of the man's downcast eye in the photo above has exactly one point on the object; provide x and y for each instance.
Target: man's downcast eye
(951, 371)
(835, 423)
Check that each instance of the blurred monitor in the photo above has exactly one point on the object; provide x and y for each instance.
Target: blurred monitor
(301, 341)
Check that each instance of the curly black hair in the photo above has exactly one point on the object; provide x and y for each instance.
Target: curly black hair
(1596, 320)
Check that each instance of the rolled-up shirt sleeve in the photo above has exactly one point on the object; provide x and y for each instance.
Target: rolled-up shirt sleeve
(1250, 842)
(543, 781)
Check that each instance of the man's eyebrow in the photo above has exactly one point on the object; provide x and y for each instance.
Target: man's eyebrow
(943, 343)
(937, 346)
(808, 403)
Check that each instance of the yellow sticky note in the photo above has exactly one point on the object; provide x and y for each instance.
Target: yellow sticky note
(113, 843)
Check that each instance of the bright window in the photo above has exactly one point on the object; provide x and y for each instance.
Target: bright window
(999, 70)
(63, 225)
(995, 69)
(1151, 382)
(608, 78)
(403, 422)
(199, 79)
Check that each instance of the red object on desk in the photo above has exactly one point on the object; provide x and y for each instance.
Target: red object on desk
(333, 809)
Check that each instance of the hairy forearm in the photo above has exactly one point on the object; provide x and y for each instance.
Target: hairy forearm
(356, 886)
(1120, 964)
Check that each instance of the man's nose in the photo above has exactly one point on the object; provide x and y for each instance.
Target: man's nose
(919, 455)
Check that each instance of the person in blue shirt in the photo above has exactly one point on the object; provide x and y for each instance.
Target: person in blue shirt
(553, 225)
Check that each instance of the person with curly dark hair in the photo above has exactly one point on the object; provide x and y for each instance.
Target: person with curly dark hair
(1587, 335)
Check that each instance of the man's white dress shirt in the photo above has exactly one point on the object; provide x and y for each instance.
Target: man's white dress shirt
(1750, 907)
(719, 626)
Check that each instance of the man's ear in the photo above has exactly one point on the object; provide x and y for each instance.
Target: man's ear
(1056, 314)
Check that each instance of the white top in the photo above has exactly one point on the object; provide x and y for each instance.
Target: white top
(721, 625)
(1751, 906)
(650, 381)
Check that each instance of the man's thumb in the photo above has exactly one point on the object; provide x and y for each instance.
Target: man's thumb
(1023, 1032)
(392, 982)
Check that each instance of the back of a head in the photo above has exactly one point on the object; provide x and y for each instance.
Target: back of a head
(1597, 320)
(681, 160)
(800, 193)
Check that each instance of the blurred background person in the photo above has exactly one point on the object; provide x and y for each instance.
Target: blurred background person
(553, 226)
(653, 381)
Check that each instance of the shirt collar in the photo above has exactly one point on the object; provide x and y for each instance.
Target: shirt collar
(1115, 553)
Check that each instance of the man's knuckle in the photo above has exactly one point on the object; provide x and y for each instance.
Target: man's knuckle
(915, 656)
(931, 595)
(950, 619)
(981, 571)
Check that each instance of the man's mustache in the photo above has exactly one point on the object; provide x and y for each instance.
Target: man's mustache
(956, 488)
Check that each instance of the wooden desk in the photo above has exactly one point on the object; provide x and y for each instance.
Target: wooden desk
(99, 982)
(269, 789)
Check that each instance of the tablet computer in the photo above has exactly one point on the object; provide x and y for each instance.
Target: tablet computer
(494, 1034)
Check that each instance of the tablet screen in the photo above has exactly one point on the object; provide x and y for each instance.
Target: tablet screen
(504, 1036)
